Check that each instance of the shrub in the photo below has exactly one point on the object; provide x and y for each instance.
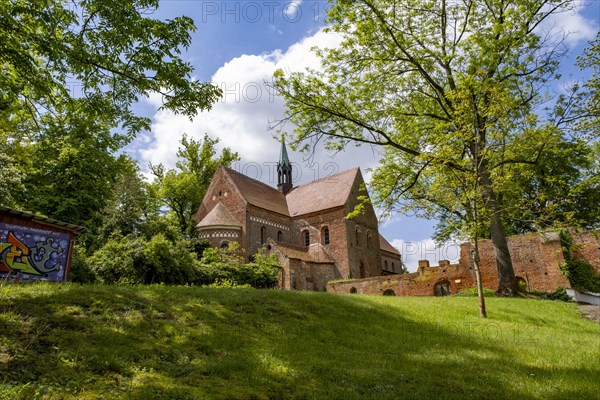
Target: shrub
(227, 265)
(81, 271)
(581, 274)
(134, 260)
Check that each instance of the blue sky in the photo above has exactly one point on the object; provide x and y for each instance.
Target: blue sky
(238, 45)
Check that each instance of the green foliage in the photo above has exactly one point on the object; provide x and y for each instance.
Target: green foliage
(227, 265)
(183, 190)
(81, 271)
(134, 260)
(120, 260)
(137, 260)
(62, 341)
(71, 73)
(108, 54)
(581, 274)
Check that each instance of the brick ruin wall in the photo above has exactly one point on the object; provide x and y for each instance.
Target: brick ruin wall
(536, 259)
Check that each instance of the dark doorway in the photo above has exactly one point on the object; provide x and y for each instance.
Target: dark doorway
(442, 288)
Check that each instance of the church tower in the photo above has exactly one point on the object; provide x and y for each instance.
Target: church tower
(284, 170)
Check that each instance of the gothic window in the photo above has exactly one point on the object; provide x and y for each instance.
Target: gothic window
(279, 236)
(393, 267)
(368, 240)
(357, 236)
(385, 265)
(306, 238)
(263, 235)
(325, 235)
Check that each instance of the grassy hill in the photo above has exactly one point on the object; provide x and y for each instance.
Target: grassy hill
(92, 342)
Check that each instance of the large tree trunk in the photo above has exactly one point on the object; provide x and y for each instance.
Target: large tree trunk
(507, 285)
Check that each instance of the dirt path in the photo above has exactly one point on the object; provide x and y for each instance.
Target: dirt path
(590, 311)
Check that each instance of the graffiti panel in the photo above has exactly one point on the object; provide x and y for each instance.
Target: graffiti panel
(32, 253)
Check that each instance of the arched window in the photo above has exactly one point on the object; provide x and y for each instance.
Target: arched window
(368, 240)
(385, 265)
(325, 235)
(393, 267)
(279, 236)
(357, 236)
(263, 235)
(224, 244)
(306, 238)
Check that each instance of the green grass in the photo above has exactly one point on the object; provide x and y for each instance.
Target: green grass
(93, 342)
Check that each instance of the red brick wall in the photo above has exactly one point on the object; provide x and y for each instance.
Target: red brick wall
(363, 251)
(338, 246)
(536, 259)
(256, 218)
(587, 247)
(393, 262)
(223, 191)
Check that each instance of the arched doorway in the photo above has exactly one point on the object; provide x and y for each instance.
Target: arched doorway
(389, 292)
(442, 288)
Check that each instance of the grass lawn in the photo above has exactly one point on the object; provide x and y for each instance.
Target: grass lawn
(160, 342)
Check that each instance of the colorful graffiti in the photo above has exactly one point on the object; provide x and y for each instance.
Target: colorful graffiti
(33, 253)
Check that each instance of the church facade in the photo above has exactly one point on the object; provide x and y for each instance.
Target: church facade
(304, 225)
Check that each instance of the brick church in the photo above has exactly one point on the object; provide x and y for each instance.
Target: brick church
(304, 225)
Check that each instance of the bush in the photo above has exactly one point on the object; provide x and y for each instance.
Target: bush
(120, 260)
(81, 271)
(582, 276)
(226, 265)
(134, 260)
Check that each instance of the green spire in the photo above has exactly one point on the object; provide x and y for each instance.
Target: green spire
(283, 155)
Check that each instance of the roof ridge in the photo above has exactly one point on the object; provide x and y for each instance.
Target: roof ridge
(328, 176)
(250, 178)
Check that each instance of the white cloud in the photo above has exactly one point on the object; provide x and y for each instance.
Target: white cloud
(241, 118)
(573, 24)
(413, 251)
(292, 9)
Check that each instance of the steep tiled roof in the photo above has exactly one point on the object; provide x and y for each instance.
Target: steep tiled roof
(329, 192)
(259, 194)
(219, 215)
(386, 246)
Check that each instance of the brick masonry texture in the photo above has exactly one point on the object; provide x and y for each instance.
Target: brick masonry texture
(536, 260)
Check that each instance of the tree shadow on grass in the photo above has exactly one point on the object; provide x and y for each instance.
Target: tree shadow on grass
(185, 343)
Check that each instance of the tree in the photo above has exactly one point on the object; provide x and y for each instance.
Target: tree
(182, 190)
(446, 88)
(109, 54)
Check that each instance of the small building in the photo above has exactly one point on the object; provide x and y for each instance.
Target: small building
(34, 247)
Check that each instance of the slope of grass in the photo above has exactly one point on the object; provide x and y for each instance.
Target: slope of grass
(160, 342)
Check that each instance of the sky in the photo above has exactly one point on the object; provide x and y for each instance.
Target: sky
(237, 46)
